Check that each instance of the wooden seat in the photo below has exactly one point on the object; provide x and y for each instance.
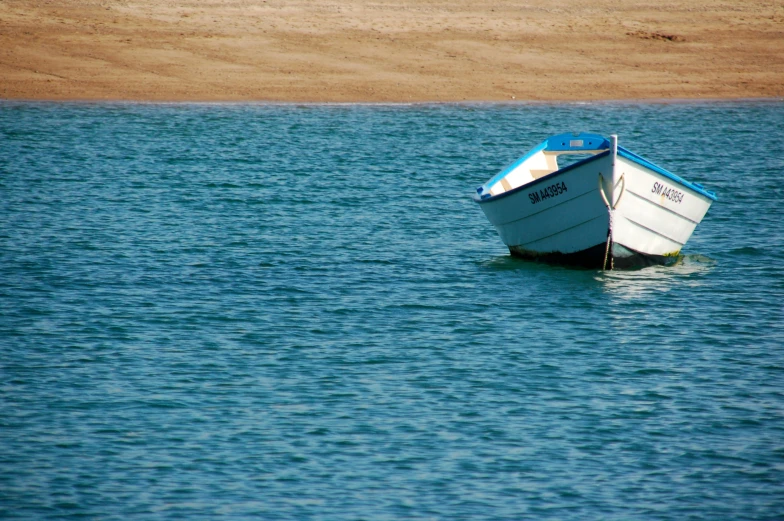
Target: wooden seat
(536, 174)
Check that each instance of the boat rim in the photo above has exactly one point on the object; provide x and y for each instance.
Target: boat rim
(622, 151)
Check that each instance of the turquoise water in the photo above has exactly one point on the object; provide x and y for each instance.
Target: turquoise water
(297, 312)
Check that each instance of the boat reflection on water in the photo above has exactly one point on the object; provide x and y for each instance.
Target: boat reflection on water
(688, 271)
(530, 281)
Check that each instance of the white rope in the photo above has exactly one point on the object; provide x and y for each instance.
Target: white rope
(601, 191)
(610, 212)
(609, 240)
(622, 182)
(609, 203)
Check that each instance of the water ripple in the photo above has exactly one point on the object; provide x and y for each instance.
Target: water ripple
(296, 312)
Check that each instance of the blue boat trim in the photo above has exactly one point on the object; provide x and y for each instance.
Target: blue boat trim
(576, 142)
(659, 170)
(549, 177)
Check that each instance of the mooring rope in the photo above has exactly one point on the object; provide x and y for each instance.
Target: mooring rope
(607, 247)
(610, 212)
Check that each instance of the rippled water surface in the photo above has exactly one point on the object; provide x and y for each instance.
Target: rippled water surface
(297, 312)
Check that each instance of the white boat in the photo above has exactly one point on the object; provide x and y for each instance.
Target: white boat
(608, 208)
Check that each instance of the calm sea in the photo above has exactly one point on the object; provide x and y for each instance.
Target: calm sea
(297, 313)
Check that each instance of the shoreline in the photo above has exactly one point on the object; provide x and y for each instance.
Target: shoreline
(398, 51)
(656, 101)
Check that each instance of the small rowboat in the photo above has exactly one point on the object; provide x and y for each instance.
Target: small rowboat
(609, 208)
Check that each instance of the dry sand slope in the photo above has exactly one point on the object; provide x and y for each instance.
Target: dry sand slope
(390, 50)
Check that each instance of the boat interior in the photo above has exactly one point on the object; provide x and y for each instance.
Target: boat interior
(550, 156)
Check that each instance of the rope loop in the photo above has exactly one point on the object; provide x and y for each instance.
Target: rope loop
(601, 191)
(610, 212)
(622, 182)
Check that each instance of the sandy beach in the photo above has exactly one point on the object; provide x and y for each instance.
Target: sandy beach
(390, 51)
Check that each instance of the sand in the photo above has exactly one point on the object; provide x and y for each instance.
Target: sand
(390, 50)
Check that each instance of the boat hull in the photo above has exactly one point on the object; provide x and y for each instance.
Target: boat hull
(656, 215)
(561, 213)
(563, 218)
